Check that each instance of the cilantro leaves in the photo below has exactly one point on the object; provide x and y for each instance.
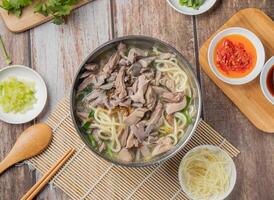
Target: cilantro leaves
(59, 9)
(15, 6)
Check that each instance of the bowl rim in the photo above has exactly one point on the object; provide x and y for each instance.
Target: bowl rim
(233, 177)
(195, 81)
(263, 75)
(35, 73)
(194, 12)
(257, 45)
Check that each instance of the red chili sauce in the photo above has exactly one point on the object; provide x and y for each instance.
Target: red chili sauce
(235, 56)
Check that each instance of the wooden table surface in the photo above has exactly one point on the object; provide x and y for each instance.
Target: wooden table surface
(56, 51)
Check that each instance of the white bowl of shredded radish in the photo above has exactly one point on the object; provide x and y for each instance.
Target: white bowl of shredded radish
(207, 173)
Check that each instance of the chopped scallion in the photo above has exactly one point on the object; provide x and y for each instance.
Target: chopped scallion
(91, 114)
(86, 126)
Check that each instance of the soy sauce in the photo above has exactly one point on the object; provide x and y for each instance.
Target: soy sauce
(270, 80)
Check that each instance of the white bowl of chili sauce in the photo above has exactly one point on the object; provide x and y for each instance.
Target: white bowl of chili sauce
(236, 55)
(267, 80)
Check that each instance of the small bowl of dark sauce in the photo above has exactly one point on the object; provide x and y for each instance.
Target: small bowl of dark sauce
(267, 80)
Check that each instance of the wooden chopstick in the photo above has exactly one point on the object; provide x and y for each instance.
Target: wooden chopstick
(44, 180)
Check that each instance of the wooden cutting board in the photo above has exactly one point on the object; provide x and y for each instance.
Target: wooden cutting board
(29, 19)
(248, 97)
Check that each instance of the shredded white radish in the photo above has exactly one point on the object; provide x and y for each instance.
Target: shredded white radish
(206, 173)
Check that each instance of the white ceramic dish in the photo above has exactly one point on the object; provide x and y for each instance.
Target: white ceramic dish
(191, 11)
(27, 74)
(259, 50)
(232, 177)
(264, 73)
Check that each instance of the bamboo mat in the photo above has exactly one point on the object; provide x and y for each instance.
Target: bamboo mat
(85, 176)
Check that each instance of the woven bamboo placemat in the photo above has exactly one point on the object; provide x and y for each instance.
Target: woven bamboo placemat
(85, 176)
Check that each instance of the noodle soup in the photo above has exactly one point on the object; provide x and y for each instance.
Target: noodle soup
(134, 104)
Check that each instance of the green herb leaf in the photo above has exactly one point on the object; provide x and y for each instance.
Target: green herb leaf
(83, 93)
(192, 3)
(88, 89)
(185, 110)
(91, 114)
(59, 9)
(188, 118)
(86, 126)
(92, 141)
(15, 6)
(109, 152)
(41, 8)
(188, 100)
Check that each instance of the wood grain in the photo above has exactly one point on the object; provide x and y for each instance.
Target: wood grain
(28, 19)
(57, 51)
(248, 97)
(256, 159)
(16, 180)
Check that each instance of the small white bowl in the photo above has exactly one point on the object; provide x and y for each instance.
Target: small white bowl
(256, 43)
(263, 75)
(232, 167)
(191, 11)
(25, 73)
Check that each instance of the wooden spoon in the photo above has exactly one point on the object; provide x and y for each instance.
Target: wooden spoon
(30, 143)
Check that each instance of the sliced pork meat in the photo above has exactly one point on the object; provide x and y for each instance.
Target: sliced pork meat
(123, 137)
(145, 62)
(151, 98)
(107, 86)
(99, 80)
(171, 97)
(122, 48)
(135, 53)
(156, 114)
(125, 103)
(154, 118)
(152, 139)
(112, 63)
(85, 74)
(145, 151)
(94, 94)
(114, 103)
(164, 144)
(139, 131)
(124, 62)
(125, 156)
(82, 115)
(120, 86)
(135, 116)
(92, 67)
(132, 141)
(137, 104)
(158, 77)
(86, 82)
(159, 90)
(135, 69)
(100, 100)
(141, 90)
(135, 86)
(168, 83)
(175, 107)
(149, 74)
(112, 77)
